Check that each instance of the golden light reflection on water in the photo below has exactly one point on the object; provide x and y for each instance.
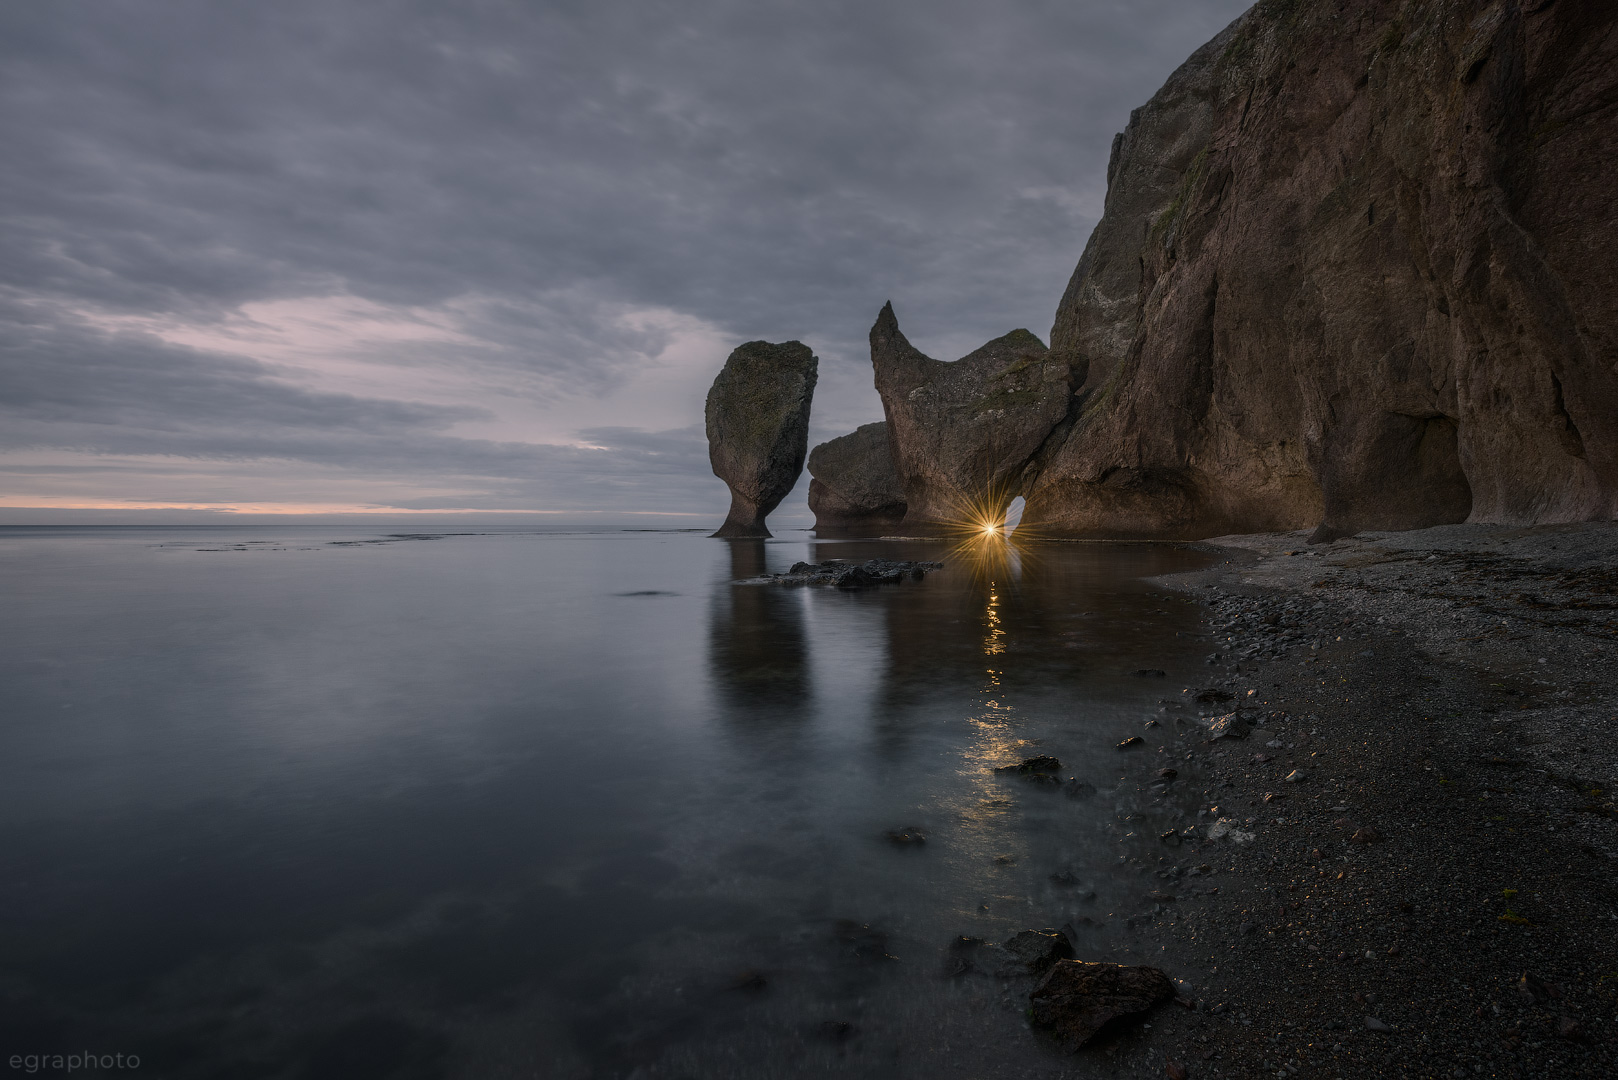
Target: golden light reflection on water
(993, 640)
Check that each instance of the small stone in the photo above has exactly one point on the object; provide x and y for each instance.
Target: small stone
(907, 836)
(1272, 796)
(1151, 673)
(1296, 776)
(1152, 724)
(1176, 1070)
(1531, 989)
(1132, 741)
(1366, 835)
(1569, 1028)
(1168, 774)
(1393, 950)
(1373, 1024)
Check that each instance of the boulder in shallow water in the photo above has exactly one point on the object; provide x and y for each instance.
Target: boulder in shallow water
(758, 429)
(1076, 998)
(846, 575)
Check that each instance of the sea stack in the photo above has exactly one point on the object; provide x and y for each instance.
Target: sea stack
(758, 429)
(963, 434)
(855, 486)
(1356, 271)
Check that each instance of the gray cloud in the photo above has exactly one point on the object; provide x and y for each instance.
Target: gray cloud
(531, 172)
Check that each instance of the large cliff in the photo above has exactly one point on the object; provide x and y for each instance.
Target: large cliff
(1356, 270)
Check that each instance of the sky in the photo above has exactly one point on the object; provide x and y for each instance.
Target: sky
(408, 256)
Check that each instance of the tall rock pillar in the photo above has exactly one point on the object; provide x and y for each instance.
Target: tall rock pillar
(758, 429)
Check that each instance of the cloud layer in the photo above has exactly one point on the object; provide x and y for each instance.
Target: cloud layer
(490, 254)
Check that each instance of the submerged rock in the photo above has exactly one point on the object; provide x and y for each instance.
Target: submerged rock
(1076, 998)
(758, 429)
(855, 485)
(1044, 763)
(963, 433)
(1028, 952)
(1370, 291)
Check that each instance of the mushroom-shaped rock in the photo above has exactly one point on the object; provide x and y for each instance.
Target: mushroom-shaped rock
(963, 433)
(758, 429)
(854, 484)
(1076, 998)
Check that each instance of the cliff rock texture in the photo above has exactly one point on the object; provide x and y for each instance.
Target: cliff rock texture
(758, 428)
(854, 485)
(964, 433)
(1356, 270)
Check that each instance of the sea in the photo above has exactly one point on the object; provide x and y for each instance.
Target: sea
(329, 803)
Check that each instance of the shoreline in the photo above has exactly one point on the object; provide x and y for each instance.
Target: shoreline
(1448, 695)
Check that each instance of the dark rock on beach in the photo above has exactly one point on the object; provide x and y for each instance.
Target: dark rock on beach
(1075, 999)
(1229, 726)
(758, 429)
(855, 486)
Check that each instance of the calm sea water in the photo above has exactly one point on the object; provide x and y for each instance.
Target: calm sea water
(329, 804)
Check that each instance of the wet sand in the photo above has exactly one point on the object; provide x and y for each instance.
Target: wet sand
(1437, 894)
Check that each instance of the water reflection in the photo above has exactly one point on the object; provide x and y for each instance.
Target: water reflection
(481, 881)
(758, 650)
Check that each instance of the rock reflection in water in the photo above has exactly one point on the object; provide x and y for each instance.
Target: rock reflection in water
(757, 646)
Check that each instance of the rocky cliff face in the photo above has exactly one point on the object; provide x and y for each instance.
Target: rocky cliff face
(758, 428)
(854, 485)
(964, 433)
(1356, 270)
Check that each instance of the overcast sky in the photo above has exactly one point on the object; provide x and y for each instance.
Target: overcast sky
(312, 255)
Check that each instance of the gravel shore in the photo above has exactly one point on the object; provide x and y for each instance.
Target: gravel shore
(1416, 865)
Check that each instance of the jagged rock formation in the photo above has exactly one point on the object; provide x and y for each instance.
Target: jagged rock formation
(964, 433)
(758, 428)
(1356, 270)
(854, 485)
